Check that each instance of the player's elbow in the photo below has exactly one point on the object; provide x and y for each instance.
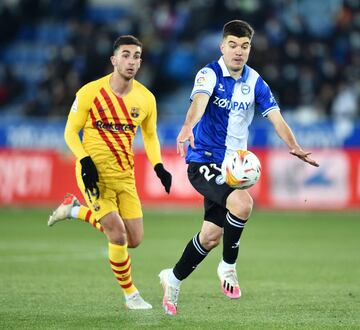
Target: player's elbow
(70, 135)
(67, 135)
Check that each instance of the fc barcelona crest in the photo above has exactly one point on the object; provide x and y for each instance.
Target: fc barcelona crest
(96, 207)
(134, 112)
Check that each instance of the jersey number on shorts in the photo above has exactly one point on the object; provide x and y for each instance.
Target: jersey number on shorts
(206, 171)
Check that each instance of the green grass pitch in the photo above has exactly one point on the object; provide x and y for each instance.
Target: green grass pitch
(297, 271)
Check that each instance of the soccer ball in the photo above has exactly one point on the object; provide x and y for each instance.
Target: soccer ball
(241, 169)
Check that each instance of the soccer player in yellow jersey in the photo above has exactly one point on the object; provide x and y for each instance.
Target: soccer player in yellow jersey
(109, 112)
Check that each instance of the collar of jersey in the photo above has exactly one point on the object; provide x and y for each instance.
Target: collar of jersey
(225, 71)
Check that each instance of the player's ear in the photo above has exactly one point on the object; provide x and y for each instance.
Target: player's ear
(113, 60)
(222, 46)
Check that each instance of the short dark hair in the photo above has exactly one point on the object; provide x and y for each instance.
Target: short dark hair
(238, 28)
(126, 40)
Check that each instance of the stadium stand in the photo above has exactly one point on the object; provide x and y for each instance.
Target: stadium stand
(50, 48)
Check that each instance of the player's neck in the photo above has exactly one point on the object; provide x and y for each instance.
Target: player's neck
(236, 74)
(119, 85)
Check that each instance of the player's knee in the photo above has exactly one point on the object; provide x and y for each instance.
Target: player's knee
(242, 207)
(134, 242)
(115, 234)
(118, 238)
(114, 229)
(134, 237)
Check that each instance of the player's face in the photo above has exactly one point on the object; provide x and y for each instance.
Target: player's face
(235, 52)
(126, 61)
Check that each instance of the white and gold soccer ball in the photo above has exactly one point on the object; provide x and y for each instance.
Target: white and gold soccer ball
(241, 169)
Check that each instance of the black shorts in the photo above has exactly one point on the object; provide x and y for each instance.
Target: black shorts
(207, 180)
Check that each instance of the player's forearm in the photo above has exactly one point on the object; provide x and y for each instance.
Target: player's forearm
(193, 116)
(286, 134)
(152, 149)
(196, 110)
(73, 141)
(282, 129)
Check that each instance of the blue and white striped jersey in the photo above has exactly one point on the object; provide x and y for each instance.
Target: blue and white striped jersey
(224, 125)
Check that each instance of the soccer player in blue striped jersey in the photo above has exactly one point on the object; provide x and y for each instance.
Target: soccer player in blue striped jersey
(225, 96)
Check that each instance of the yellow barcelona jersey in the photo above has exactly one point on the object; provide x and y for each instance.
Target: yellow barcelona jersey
(109, 124)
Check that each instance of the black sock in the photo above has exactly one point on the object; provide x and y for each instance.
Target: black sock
(233, 228)
(193, 254)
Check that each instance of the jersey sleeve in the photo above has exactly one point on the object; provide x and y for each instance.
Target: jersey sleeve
(76, 121)
(205, 82)
(264, 99)
(149, 134)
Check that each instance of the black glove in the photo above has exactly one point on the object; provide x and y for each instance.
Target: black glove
(90, 176)
(164, 176)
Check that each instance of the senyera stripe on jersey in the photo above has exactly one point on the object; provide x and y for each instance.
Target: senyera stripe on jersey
(124, 109)
(107, 141)
(114, 134)
(114, 114)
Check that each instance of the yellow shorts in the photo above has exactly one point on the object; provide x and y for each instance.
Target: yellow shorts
(119, 195)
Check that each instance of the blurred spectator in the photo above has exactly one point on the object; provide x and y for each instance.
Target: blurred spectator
(9, 16)
(345, 105)
(56, 46)
(10, 86)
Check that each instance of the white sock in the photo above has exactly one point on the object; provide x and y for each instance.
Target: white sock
(128, 296)
(225, 265)
(173, 279)
(75, 211)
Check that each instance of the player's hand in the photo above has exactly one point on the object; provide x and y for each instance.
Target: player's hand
(90, 176)
(164, 176)
(186, 134)
(304, 156)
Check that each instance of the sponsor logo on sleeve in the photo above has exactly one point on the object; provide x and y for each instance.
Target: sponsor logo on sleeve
(200, 81)
(272, 99)
(74, 106)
